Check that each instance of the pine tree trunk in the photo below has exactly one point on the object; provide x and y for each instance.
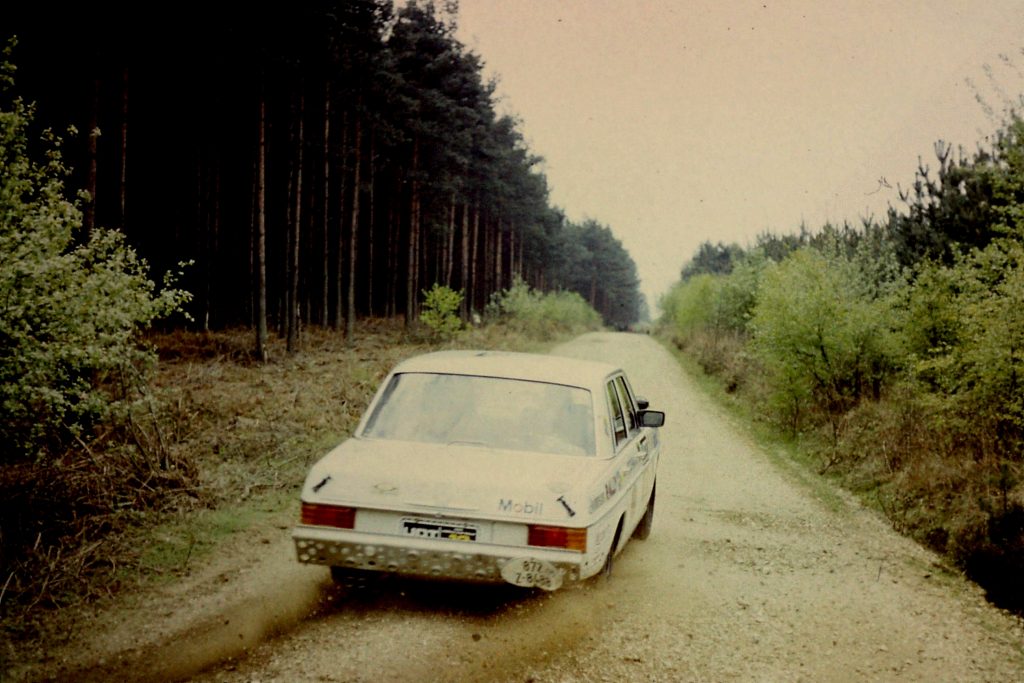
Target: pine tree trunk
(89, 209)
(498, 257)
(123, 181)
(325, 294)
(262, 352)
(513, 256)
(415, 242)
(521, 269)
(474, 269)
(487, 267)
(339, 298)
(296, 230)
(353, 243)
(412, 273)
(371, 219)
(391, 310)
(201, 221)
(450, 245)
(464, 264)
(214, 238)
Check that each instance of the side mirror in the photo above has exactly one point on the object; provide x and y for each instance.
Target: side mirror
(652, 418)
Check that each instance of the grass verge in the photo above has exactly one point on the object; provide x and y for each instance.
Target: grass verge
(798, 463)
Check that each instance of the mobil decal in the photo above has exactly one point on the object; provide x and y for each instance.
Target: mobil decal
(520, 507)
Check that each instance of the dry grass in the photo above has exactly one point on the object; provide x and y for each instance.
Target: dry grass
(255, 428)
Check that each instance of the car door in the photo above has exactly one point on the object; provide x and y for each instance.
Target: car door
(648, 444)
(632, 444)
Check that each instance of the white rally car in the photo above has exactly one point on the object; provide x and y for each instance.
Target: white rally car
(487, 466)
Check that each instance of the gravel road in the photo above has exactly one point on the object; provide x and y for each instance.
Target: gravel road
(753, 572)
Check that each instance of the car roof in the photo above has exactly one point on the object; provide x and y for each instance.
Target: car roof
(513, 365)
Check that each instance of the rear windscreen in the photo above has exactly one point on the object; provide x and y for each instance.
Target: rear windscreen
(493, 412)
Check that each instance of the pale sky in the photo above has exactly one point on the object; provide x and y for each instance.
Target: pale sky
(675, 122)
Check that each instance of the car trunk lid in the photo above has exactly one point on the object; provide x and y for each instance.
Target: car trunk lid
(452, 479)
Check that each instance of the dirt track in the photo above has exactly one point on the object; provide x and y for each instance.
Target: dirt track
(749, 575)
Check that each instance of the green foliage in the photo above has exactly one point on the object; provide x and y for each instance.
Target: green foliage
(738, 294)
(71, 305)
(441, 311)
(982, 373)
(946, 214)
(931, 324)
(1008, 179)
(543, 315)
(709, 314)
(820, 335)
(714, 259)
(690, 305)
(595, 265)
(963, 331)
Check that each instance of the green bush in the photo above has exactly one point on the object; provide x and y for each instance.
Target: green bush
(988, 368)
(821, 337)
(73, 304)
(543, 315)
(440, 311)
(715, 304)
(690, 305)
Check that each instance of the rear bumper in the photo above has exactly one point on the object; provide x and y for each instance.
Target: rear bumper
(467, 561)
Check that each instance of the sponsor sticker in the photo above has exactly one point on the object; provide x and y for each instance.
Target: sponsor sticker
(519, 507)
(452, 531)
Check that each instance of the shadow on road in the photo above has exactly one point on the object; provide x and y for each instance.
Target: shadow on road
(415, 596)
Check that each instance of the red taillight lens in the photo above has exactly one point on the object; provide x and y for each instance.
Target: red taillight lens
(557, 537)
(316, 514)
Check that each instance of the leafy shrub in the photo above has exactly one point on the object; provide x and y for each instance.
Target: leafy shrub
(690, 305)
(987, 369)
(931, 324)
(440, 311)
(73, 304)
(543, 315)
(820, 336)
(712, 312)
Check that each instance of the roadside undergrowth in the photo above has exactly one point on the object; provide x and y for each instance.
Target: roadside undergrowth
(935, 479)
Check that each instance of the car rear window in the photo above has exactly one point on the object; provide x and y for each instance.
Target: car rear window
(488, 411)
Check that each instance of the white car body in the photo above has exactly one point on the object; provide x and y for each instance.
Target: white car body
(532, 512)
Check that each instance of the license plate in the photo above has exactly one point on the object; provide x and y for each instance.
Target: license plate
(426, 528)
(528, 572)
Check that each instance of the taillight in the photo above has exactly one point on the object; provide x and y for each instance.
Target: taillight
(317, 514)
(557, 537)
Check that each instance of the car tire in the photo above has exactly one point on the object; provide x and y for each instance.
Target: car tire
(643, 529)
(609, 561)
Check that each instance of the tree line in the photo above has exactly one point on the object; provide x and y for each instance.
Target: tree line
(893, 348)
(310, 163)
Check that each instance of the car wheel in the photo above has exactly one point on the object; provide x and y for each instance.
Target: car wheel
(609, 561)
(643, 529)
